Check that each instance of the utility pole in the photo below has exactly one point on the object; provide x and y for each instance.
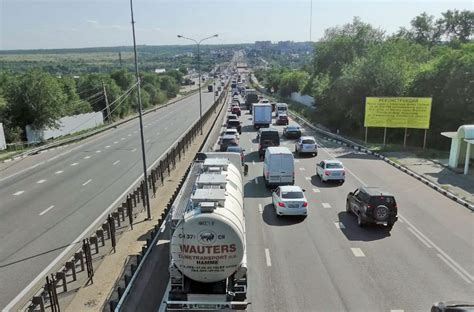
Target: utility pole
(104, 91)
(145, 178)
(310, 19)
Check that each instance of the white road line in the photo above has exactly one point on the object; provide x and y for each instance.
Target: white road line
(297, 160)
(267, 256)
(457, 265)
(129, 135)
(122, 139)
(251, 149)
(308, 178)
(157, 133)
(454, 268)
(326, 205)
(134, 150)
(41, 181)
(339, 225)
(316, 190)
(18, 193)
(397, 310)
(98, 151)
(115, 142)
(419, 237)
(59, 172)
(116, 162)
(253, 162)
(302, 169)
(107, 146)
(250, 140)
(147, 141)
(357, 252)
(87, 182)
(74, 164)
(260, 209)
(256, 180)
(163, 228)
(46, 210)
(87, 157)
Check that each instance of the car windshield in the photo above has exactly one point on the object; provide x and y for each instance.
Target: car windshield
(308, 141)
(334, 166)
(233, 123)
(234, 149)
(292, 128)
(292, 195)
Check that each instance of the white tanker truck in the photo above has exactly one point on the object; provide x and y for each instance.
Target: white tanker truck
(208, 262)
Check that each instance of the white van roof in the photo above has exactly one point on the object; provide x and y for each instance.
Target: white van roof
(279, 150)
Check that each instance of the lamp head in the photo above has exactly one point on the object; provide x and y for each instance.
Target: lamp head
(179, 36)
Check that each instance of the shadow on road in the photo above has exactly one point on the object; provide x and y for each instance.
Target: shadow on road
(252, 156)
(355, 233)
(355, 155)
(253, 190)
(271, 218)
(248, 128)
(316, 181)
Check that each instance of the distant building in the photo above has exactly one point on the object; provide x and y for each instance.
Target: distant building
(263, 44)
(160, 71)
(3, 142)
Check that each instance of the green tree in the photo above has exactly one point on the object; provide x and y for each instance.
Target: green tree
(458, 25)
(35, 98)
(74, 105)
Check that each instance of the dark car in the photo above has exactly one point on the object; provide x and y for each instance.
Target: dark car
(372, 206)
(282, 120)
(235, 110)
(268, 137)
(237, 149)
(453, 306)
(292, 132)
(234, 124)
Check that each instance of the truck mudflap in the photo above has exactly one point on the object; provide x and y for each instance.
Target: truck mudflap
(205, 306)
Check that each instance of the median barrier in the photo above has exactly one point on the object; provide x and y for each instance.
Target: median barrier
(41, 299)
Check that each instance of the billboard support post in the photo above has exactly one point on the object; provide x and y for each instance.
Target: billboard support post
(366, 129)
(384, 135)
(405, 138)
(424, 139)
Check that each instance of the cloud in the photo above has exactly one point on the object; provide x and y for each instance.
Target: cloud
(93, 22)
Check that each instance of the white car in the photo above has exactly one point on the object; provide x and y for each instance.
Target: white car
(331, 170)
(289, 200)
(306, 145)
(231, 132)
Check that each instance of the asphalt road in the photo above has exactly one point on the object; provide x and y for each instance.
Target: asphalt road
(327, 263)
(48, 200)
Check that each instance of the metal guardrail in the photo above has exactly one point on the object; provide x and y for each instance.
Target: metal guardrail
(43, 297)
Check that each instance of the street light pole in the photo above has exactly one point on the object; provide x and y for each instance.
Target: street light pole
(145, 179)
(198, 43)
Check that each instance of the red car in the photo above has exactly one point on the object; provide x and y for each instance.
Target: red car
(235, 110)
(282, 120)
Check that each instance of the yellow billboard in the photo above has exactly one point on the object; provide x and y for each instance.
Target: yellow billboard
(397, 112)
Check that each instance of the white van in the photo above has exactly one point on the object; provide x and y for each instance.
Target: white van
(278, 166)
(281, 109)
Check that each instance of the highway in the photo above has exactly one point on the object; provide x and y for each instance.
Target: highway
(325, 262)
(48, 200)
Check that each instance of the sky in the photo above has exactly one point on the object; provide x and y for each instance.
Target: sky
(52, 24)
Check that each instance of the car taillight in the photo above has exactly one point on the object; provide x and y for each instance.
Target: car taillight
(281, 204)
(327, 173)
(267, 174)
(305, 204)
(369, 206)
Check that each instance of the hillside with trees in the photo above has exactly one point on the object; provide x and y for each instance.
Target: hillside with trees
(433, 58)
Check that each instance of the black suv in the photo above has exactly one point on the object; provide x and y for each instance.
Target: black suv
(372, 205)
(268, 137)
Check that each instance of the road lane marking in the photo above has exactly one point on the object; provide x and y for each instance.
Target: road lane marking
(267, 257)
(308, 178)
(397, 310)
(115, 142)
(74, 164)
(302, 169)
(59, 172)
(98, 151)
(250, 140)
(163, 228)
(256, 180)
(147, 141)
(129, 135)
(107, 146)
(326, 205)
(339, 225)
(315, 190)
(87, 182)
(251, 149)
(87, 157)
(158, 133)
(134, 150)
(260, 209)
(41, 181)
(419, 237)
(18, 193)
(453, 268)
(46, 210)
(357, 252)
(116, 162)
(253, 162)
(297, 160)
(122, 139)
